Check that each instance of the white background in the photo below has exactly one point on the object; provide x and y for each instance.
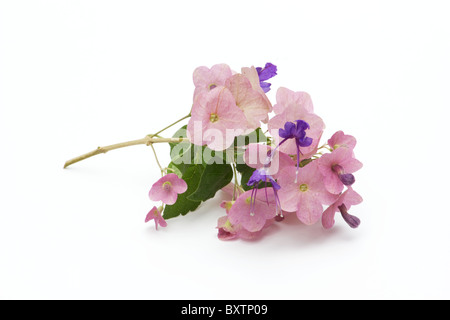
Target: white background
(78, 74)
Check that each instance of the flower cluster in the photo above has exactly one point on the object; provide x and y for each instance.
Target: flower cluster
(283, 170)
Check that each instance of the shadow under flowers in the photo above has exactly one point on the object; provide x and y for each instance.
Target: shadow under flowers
(293, 233)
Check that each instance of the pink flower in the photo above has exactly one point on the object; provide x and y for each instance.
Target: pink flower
(206, 79)
(342, 204)
(227, 231)
(337, 168)
(339, 139)
(215, 119)
(167, 189)
(306, 195)
(249, 100)
(293, 109)
(155, 214)
(253, 211)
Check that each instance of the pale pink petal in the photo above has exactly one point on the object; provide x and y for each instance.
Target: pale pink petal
(156, 191)
(316, 184)
(350, 197)
(155, 214)
(286, 97)
(168, 197)
(351, 165)
(309, 210)
(206, 79)
(240, 212)
(151, 214)
(160, 221)
(289, 198)
(289, 192)
(178, 184)
(226, 230)
(250, 101)
(339, 139)
(333, 184)
(328, 217)
(215, 120)
(253, 77)
(330, 178)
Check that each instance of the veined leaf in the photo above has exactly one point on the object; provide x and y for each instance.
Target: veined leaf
(192, 174)
(214, 177)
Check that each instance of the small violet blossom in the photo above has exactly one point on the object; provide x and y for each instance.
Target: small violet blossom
(342, 204)
(167, 189)
(269, 71)
(297, 132)
(337, 168)
(155, 214)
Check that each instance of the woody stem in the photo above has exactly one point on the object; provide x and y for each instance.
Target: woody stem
(147, 140)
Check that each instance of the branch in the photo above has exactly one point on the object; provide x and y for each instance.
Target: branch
(148, 140)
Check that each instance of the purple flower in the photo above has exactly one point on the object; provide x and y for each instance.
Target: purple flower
(342, 204)
(269, 71)
(298, 133)
(261, 175)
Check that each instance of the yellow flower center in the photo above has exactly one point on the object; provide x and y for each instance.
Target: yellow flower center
(228, 226)
(303, 187)
(166, 185)
(213, 117)
(248, 200)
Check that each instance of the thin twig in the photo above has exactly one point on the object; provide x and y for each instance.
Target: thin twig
(156, 158)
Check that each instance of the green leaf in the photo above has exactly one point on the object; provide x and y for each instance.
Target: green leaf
(219, 157)
(175, 169)
(192, 174)
(214, 177)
